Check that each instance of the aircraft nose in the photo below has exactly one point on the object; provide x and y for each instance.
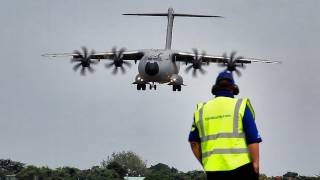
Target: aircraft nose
(152, 68)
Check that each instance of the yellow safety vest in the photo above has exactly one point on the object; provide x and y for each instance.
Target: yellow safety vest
(223, 143)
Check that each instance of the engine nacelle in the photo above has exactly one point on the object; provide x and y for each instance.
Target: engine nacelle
(176, 79)
(139, 80)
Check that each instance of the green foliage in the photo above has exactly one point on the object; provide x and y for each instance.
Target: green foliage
(164, 172)
(100, 173)
(28, 173)
(131, 162)
(197, 175)
(8, 166)
(116, 167)
(121, 170)
(290, 175)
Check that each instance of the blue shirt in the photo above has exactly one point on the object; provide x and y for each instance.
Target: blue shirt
(249, 125)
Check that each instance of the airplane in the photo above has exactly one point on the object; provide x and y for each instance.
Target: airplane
(157, 66)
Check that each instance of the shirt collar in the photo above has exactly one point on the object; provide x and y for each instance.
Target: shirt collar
(224, 94)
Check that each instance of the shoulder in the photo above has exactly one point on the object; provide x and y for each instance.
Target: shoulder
(248, 106)
(200, 105)
(245, 101)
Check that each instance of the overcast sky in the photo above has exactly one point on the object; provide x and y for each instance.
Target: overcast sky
(50, 115)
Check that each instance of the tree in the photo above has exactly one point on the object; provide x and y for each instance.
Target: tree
(66, 173)
(99, 173)
(9, 166)
(28, 173)
(290, 175)
(114, 165)
(197, 175)
(162, 172)
(130, 161)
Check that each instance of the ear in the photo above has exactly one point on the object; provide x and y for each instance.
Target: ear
(236, 89)
(214, 89)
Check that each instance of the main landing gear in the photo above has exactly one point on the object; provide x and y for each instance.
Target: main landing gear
(176, 87)
(143, 86)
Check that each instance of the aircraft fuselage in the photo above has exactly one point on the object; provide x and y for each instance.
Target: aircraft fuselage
(157, 65)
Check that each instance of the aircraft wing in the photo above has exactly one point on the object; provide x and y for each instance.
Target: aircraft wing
(126, 55)
(189, 57)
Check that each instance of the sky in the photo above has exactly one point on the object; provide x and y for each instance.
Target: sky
(52, 116)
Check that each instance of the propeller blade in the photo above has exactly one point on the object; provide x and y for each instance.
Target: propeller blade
(78, 53)
(83, 71)
(75, 60)
(109, 65)
(188, 68)
(114, 49)
(225, 56)
(238, 72)
(202, 71)
(123, 70)
(203, 53)
(127, 63)
(115, 70)
(194, 73)
(232, 55)
(196, 52)
(122, 50)
(91, 70)
(76, 67)
(85, 52)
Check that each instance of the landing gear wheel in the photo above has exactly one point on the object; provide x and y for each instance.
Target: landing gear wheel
(143, 86)
(176, 87)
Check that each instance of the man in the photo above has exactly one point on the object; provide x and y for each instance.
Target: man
(224, 137)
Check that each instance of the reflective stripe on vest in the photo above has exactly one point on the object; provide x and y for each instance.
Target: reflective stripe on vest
(226, 151)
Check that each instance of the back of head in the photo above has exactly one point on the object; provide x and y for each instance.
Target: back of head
(225, 82)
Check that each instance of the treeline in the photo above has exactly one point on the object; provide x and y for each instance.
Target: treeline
(115, 167)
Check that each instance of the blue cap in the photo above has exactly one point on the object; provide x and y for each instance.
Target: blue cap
(225, 75)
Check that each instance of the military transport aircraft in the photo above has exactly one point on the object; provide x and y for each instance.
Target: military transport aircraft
(157, 65)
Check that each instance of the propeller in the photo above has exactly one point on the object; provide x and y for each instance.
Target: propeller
(231, 63)
(118, 61)
(83, 60)
(196, 63)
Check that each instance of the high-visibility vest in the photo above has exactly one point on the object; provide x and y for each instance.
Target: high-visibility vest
(223, 144)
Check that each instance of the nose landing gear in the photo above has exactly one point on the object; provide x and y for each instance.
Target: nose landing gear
(176, 87)
(154, 86)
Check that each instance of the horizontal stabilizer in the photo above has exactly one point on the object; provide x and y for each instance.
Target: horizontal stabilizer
(146, 14)
(194, 15)
(166, 14)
